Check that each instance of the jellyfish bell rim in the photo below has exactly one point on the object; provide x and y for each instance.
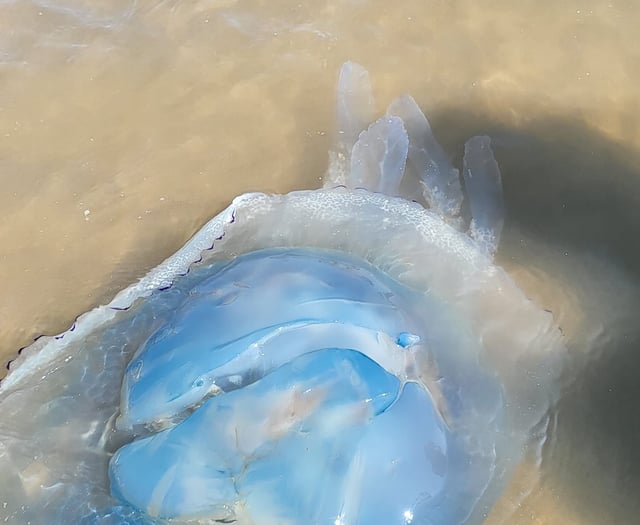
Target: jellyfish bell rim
(338, 205)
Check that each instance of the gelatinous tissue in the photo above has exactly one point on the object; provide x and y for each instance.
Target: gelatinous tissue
(343, 356)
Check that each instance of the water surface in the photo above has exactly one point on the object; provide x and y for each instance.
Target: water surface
(125, 125)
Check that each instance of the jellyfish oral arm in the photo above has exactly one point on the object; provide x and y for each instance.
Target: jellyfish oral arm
(427, 161)
(483, 183)
(399, 151)
(378, 158)
(355, 110)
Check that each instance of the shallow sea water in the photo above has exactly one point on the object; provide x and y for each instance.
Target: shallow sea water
(125, 125)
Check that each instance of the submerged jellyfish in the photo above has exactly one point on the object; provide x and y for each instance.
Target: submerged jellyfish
(343, 356)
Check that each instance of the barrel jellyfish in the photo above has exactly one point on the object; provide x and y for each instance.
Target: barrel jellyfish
(348, 355)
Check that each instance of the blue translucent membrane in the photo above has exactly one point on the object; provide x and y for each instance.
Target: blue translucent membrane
(311, 382)
(259, 312)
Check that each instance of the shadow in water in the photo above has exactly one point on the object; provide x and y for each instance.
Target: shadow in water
(576, 191)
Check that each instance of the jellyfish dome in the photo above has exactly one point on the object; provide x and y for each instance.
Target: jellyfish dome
(349, 355)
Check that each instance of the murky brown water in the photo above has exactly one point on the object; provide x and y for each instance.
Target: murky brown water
(125, 125)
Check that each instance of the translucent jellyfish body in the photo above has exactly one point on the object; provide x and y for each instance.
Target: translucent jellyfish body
(345, 356)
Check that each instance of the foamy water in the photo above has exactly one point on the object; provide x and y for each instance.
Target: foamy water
(124, 126)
